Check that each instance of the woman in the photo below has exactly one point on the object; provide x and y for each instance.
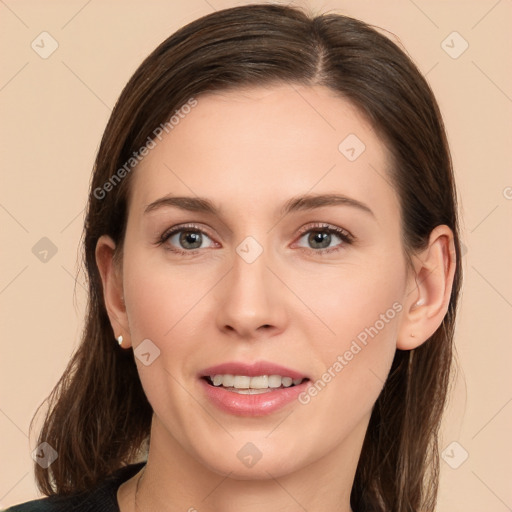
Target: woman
(272, 240)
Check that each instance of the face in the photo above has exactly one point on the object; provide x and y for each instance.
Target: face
(261, 242)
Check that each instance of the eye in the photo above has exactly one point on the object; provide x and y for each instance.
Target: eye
(183, 239)
(324, 238)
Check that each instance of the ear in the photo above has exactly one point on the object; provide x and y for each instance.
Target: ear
(429, 289)
(111, 277)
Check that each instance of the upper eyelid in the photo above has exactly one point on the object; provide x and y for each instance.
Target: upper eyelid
(184, 227)
(325, 226)
(306, 228)
(302, 231)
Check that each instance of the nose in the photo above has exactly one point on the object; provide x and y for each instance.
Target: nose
(251, 301)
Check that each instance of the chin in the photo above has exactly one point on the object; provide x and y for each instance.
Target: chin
(259, 459)
(262, 470)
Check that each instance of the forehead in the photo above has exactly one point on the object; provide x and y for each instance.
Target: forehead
(271, 142)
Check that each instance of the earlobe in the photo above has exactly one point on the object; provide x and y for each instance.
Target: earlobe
(111, 278)
(428, 298)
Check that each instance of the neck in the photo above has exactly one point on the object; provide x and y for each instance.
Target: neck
(172, 480)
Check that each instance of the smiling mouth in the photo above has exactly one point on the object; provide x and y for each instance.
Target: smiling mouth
(246, 385)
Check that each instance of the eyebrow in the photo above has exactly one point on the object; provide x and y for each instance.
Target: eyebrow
(311, 201)
(300, 203)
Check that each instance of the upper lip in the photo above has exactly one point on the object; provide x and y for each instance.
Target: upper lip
(252, 370)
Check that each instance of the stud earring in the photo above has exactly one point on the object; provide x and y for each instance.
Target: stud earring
(420, 302)
(120, 339)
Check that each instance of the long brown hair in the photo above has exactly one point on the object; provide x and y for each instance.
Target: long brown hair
(98, 417)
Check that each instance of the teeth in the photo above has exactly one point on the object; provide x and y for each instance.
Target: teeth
(274, 381)
(228, 381)
(287, 381)
(217, 380)
(259, 382)
(242, 382)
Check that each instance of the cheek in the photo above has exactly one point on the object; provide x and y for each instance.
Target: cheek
(165, 304)
(349, 300)
(360, 312)
(159, 296)
(161, 302)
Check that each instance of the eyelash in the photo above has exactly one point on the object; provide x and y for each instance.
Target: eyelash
(346, 237)
(321, 227)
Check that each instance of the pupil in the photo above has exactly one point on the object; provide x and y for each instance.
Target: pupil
(320, 239)
(190, 239)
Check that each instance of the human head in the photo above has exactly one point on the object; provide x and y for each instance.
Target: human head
(282, 45)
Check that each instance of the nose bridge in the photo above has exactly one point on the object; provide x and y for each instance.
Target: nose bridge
(249, 301)
(248, 277)
(249, 274)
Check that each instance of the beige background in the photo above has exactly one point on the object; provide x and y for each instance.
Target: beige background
(54, 111)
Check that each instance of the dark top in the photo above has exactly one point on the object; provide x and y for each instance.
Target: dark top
(102, 498)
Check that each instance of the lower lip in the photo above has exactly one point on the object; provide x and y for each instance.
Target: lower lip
(252, 405)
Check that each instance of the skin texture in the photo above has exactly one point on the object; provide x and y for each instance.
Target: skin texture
(248, 152)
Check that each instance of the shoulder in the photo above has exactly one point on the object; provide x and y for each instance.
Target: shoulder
(102, 498)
